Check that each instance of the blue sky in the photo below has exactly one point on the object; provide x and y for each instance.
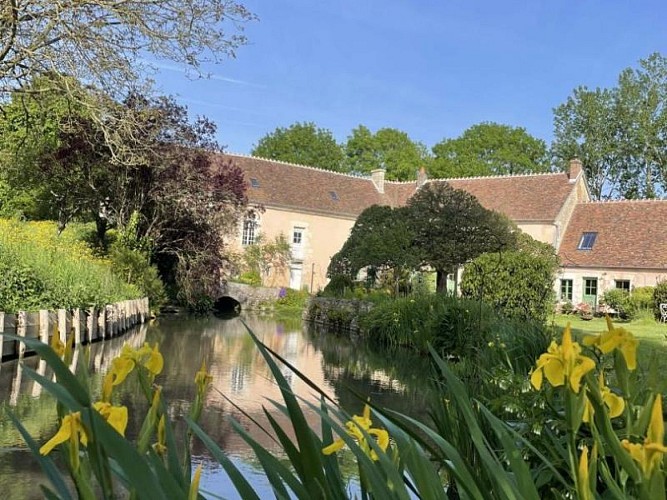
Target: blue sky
(430, 67)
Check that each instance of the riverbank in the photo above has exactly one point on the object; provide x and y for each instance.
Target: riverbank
(85, 325)
(44, 269)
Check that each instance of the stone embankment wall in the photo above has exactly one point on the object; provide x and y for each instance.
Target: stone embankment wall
(87, 325)
(336, 315)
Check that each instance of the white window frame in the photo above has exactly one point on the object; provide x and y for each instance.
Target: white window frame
(249, 230)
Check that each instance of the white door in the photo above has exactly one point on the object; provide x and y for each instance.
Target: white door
(295, 273)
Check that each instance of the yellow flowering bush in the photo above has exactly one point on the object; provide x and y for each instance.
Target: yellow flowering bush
(44, 269)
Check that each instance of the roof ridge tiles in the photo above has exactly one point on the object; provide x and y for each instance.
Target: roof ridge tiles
(318, 169)
(639, 200)
(505, 176)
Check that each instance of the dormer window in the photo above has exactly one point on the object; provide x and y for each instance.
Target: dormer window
(254, 182)
(587, 241)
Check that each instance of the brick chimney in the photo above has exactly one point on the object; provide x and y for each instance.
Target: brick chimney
(421, 177)
(377, 176)
(575, 169)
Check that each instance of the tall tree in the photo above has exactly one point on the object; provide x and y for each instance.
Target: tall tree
(185, 200)
(382, 238)
(620, 133)
(451, 228)
(490, 149)
(586, 127)
(388, 148)
(105, 43)
(302, 143)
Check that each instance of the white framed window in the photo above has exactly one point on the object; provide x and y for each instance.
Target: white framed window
(297, 235)
(249, 235)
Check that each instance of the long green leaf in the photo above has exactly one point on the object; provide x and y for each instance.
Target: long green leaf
(138, 473)
(274, 468)
(456, 465)
(240, 483)
(505, 487)
(307, 446)
(47, 465)
(513, 454)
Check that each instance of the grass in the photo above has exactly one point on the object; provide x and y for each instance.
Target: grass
(652, 335)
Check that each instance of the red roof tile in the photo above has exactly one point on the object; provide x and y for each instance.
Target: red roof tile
(298, 187)
(536, 197)
(522, 197)
(630, 234)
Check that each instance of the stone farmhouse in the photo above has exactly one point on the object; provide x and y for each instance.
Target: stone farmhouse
(601, 245)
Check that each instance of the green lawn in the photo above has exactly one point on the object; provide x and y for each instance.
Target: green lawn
(652, 335)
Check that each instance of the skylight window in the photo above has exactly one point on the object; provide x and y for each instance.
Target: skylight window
(587, 241)
(333, 195)
(254, 182)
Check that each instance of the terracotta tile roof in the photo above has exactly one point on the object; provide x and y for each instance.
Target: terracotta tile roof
(522, 198)
(630, 234)
(299, 187)
(537, 197)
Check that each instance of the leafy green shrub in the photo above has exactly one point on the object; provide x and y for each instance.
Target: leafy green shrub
(567, 307)
(642, 298)
(291, 300)
(518, 284)
(251, 278)
(454, 327)
(134, 267)
(337, 286)
(620, 301)
(659, 297)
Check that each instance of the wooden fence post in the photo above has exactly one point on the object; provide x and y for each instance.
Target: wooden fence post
(101, 323)
(63, 328)
(109, 320)
(44, 326)
(76, 323)
(21, 328)
(91, 323)
(2, 331)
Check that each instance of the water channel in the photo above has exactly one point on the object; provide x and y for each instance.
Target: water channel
(338, 366)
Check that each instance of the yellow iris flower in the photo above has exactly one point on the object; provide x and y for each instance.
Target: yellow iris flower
(71, 429)
(202, 378)
(123, 365)
(562, 362)
(615, 338)
(116, 416)
(583, 476)
(615, 403)
(649, 455)
(56, 344)
(193, 494)
(161, 446)
(355, 428)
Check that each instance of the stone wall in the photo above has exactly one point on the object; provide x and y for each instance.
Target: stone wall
(336, 315)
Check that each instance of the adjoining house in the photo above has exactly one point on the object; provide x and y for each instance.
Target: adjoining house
(601, 245)
(612, 244)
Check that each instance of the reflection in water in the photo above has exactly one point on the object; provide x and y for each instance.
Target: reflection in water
(242, 387)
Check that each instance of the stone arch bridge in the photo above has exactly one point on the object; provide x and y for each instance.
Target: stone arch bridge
(238, 296)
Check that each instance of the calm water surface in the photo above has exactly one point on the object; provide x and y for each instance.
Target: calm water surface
(338, 366)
